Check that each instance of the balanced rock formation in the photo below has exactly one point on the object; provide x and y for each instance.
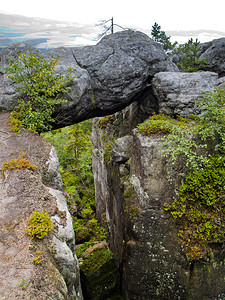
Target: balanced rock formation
(108, 76)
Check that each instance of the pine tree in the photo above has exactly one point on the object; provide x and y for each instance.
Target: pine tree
(160, 37)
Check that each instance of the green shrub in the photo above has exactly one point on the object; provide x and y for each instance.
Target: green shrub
(39, 224)
(40, 87)
(200, 210)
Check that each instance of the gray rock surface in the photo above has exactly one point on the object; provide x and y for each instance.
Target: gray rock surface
(121, 66)
(53, 170)
(64, 246)
(121, 149)
(178, 93)
(215, 56)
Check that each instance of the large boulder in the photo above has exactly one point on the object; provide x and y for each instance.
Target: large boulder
(121, 67)
(108, 76)
(179, 93)
(214, 55)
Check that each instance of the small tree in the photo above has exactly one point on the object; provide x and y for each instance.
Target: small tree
(190, 56)
(160, 37)
(40, 88)
(109, 28)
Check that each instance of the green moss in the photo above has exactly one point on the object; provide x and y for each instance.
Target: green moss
(15, 124)
(103, 122)
(96, 259)
(160, 124)
(18, 163)
(39, 224)
(83, 248)
(107, 152)
(131, 206)
(200, 210)
(88, 230)
(92, 98)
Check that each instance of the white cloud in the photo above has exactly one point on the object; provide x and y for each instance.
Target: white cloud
(171, 15)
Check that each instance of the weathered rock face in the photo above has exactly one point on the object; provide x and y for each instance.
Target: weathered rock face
(109, 76)
(133, 181)
(179, 93)
(22, 191)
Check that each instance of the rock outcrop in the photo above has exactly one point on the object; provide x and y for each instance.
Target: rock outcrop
(56, 272)
(213, 53)
(109, 76)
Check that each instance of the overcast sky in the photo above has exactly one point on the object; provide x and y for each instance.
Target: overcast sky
(170, 14)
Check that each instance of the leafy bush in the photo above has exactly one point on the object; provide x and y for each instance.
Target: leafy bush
(39, 224)
(39, 85)
(200, 210)
(191, 139)
(190, 56)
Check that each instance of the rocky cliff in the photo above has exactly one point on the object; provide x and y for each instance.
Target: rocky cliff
(33, 268)
(133, 181)
(108, 76)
